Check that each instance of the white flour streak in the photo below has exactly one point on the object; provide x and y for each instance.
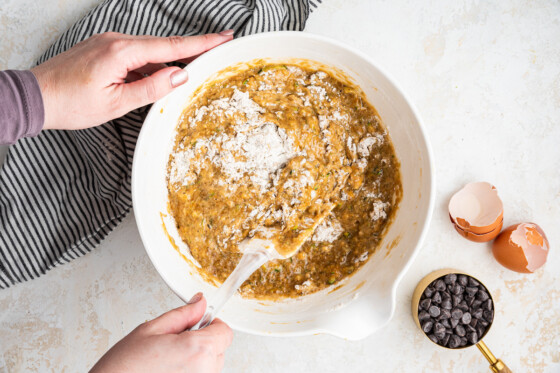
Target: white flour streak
(362, 258)
(257, 153)
(304, 285)
(295, 70)
(365, 145)
(378, 211)
(328, 231)
(180, 168)
(257, 149)
(318, 77)
(319, 92)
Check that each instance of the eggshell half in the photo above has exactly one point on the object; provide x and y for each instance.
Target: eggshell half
(477, 208)
(521, 248)
(480, 237)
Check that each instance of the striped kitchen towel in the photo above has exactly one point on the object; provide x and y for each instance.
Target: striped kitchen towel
(62, 192)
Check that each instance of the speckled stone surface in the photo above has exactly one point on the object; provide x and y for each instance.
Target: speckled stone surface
(486, 79)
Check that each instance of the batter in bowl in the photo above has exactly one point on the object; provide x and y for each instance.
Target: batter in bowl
(273, 148)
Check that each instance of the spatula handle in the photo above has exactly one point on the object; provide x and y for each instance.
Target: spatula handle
(248, 264)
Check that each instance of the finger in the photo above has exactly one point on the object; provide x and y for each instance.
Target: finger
(218, 333)
(144, 71)
(133, 76)
(152, 88)
(150, 68)
(178, 319)
(160, 50)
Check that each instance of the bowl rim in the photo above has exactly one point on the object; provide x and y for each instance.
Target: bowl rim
(426, 218)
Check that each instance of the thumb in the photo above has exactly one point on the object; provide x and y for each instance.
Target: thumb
(179, 319)
(151, 88)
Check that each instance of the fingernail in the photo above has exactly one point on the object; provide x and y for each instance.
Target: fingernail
(226, 32)
(195, 299)
(178, 77)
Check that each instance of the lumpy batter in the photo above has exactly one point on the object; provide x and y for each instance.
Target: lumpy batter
(272, 149)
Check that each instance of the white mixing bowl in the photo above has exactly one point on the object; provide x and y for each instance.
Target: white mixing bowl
(365, 301)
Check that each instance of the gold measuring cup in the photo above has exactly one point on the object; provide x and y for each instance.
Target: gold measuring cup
(496, 365)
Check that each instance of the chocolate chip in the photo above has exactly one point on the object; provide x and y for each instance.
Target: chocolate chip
(476, 304)
(463, 280)
(454, 322)
(463, 306)
(482, 295)
(450, 278)
(473, 322)
(473, 282)
(433, 338)
(423, 315)
(477, 314)
(471, 291)
(469, 329)
(445, 322)
(483, 322)
(460, 331)
(466, 319)
(457, 289)
(434, 311)
(469, 300)
(427, 326)
(454, 341)
(480, 330)
(463, 341)
(436, 298)
(445, 313)
(440, 335)
(457, 299)
(456, 313)
(445, 296)
(445, 339)
(472, 338)
(425, 304)
(429, 291)
(446, 304)
(488, 315)
(488, 305)
(439, 285)
(438, 328)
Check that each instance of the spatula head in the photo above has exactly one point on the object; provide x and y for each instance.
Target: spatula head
(274, 239)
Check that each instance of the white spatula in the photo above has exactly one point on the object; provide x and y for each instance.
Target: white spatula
(256, 252)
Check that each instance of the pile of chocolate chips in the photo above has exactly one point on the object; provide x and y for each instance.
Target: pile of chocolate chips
(455, 311)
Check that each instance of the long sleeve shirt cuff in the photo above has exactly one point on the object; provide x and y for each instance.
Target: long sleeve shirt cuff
(22, 113)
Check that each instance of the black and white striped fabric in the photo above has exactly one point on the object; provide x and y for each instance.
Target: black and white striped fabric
(62, 192)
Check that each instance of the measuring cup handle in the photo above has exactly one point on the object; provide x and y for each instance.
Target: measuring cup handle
(500, 367)
(496, 365)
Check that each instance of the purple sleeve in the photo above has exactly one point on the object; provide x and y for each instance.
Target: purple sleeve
(21, 106)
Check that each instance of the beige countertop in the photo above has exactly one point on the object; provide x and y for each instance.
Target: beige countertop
(486, 79)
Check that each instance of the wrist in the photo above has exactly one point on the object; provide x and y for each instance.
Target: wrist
(44, 83)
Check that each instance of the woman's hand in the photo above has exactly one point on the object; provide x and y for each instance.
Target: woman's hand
(163, 345)
(108, 75)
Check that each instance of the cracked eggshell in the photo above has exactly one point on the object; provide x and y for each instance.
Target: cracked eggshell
(480, 237)
(521, 248)
(477, 209)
